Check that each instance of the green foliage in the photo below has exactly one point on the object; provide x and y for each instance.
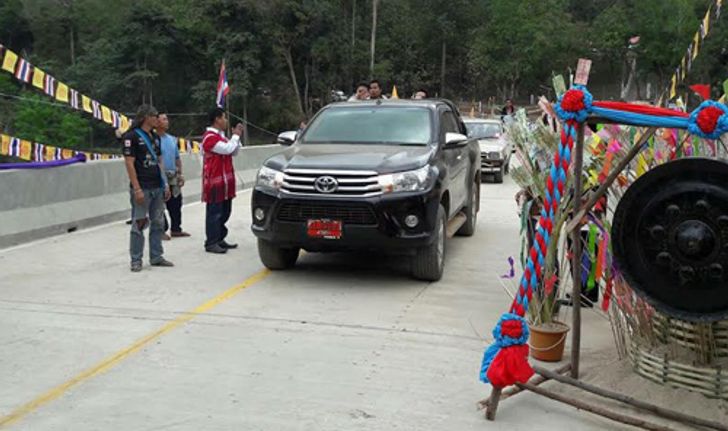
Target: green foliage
(45, 123)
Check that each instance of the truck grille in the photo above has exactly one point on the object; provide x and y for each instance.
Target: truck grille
(353, 214)
(348, 183)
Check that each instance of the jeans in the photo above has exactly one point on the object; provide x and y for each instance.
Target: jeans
(151, 212)
(216, 215)
(174, 207)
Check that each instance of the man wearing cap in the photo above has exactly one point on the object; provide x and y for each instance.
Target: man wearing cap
(148, 187)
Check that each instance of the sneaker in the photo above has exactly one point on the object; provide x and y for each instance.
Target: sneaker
(226, 245)
(180, 234)
(217, 249)
(166, 237)
(136, 267)
(163, 262)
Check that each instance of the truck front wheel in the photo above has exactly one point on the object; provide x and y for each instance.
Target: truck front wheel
(429, 262)
(276, 258)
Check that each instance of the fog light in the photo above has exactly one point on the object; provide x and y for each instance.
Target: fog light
(411, 221)
(259, 214)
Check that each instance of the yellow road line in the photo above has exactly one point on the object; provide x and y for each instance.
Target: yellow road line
(119, 356)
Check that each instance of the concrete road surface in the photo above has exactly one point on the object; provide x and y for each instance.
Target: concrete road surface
(217, 343)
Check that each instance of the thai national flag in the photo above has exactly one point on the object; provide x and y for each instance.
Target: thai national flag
(50, 85)
(74, 99)
(115, 119)
(23, 71)
(38, 152)
(222, 86)
(14, 149)
(97, 109)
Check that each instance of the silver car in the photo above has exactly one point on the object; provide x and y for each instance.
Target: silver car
(494, 149)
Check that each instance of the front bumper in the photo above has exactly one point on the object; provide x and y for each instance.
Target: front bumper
(371, 223)
(491, 166)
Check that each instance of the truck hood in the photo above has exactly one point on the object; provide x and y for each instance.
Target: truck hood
(383, 159)
(491, 145)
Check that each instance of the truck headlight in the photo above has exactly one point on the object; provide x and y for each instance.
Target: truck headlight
(410, 181)
(269, 178)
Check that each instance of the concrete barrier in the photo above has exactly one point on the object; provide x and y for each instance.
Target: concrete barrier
(45, 202)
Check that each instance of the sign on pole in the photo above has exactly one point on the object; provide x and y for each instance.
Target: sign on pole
(559, 85)
(582, 71)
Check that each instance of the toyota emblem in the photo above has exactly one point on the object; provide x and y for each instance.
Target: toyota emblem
(326, 184)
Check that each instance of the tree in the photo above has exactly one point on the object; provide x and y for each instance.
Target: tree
(521, 46)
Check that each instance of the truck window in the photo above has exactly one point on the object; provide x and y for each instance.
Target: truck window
(448, 123)
(371, 125)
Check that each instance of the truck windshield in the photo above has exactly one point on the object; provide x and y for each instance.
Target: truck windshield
(483, 130)
(370, 125)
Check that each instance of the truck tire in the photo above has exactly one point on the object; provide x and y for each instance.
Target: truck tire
(276, 258)
(429, 262)
(498, 176)
(471, 212)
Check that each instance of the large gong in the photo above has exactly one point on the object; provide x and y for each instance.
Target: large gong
(670, 238)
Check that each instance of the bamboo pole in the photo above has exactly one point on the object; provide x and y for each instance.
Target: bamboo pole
(581, 405)
(493, 401)
(660, 411)
(515, 390)
(576, 255)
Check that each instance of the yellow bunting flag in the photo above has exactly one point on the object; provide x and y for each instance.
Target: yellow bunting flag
(182, 145)
(673, 87)
(696, 42)
(10, 60)
(124, 123)
(62, 92)
(195, 147)
(394, 92)
(66, 153)
(105, 156)
(683, 68)
(38, 78)
(26, 149)
(106, 114)
(4, 144)
(86, 104)
(706, 21)
(50, 152)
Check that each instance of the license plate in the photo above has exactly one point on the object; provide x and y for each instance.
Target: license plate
(327, 229)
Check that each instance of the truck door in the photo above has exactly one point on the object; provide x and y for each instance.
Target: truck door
(457, 161)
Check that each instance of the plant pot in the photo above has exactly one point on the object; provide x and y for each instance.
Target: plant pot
(547, 341)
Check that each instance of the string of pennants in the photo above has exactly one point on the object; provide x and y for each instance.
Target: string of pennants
(686, 64)
(25, 72)
(35, 152)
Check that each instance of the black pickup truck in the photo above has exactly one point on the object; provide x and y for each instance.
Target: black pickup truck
(393, 176)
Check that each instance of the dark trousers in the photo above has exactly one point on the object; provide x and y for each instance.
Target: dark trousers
(216, 215)
(174, 207)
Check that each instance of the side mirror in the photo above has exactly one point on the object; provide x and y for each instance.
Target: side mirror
(454, 139)
(287, 138)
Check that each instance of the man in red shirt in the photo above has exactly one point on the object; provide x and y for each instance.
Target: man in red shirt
(218, 179)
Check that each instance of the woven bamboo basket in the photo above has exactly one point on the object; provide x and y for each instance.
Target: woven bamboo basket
(708, 340)
(711, 381)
